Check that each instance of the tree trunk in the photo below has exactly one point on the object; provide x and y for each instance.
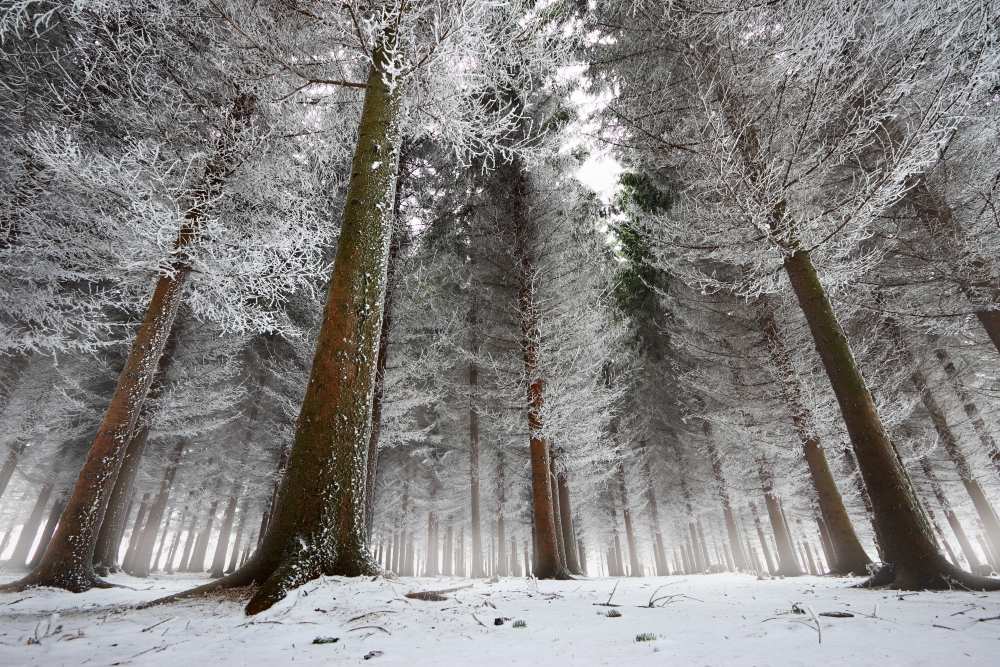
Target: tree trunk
(787, 564)
(654, 515)
(633, 550)
(556, 512)
(29, 531)
(476, 528)
(240, 531)
(172, 553)
(502, 562)
(739, 558)
(136, 536)
(109, 537)
(197, 561)
(569, 531)
(9, 465)
(371, 472)
(50, 527)
(140, 564)
(772, 566)
(902, 528)
(848, 556)
(225, 532)
(956, 526)
(68, 561)
(970, 407)
(184, 565)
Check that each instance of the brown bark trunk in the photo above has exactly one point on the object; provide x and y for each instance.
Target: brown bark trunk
(136, 536)
(956, 527)
(568, 528)
(240, 531)
(50, 527)
(68, 561)
(787, 563)
(109, 538)
(848, 556)
(901, 526)
(502, 562)
(736, 549)
(197, 561)
(556, 511)
(633, 551)
(772, 566)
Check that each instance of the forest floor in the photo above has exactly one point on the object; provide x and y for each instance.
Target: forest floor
(722, 619)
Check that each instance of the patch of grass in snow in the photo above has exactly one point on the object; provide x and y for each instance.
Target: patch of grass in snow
(613, 613)
(646, 637)
(520, 624)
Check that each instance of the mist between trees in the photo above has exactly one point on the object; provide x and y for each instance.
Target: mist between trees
(296, 289)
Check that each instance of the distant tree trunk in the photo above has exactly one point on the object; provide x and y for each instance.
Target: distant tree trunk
(848, 556)
(240, 531)
(10, 464)
(447, 567)
(136, 536)
(164, 534)
(901, 526)
(502, 561)
(772, 566)
(225, 532)
(460, 553)
(139, 566)
(29, 531)
(937, 216)
(970, 408)
(942, 540)
(371, 474)
(568, 528)
(948, 440)
(431, 567)
(787, 563)
(185, 563)
(739, 558)
(633, 550)
(662, 568)
(172, 553)
(68, 561)
(50, 526)
(964, 542)
(476, 527)
(197, 561)
(556, 511)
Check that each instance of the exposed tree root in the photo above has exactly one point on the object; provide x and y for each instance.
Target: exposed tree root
(244, 576)
(887, 576)
(292, 573)
(74, 583)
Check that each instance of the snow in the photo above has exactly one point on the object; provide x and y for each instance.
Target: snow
(724, 619)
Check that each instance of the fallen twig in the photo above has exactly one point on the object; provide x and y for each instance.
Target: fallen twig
(608, 603)
(434, 596)
(156, 624)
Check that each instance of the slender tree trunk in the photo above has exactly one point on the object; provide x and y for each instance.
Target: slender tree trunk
(476, 528)
(569, 531)
(654, 516)
(29, 531)
(502, 561)
(136, 536)
(942, 540)
(185, 564)
(50, 526)
(970, 407)
(633, 549)
(949, 514)
(225, 532)
(172, 554)
(848, 556)
(902, 528)
(772, 565)
(240, 530)
(371, 473)
(197, 562)
(556, 511)
(140, 564)
(739, 558)
(68, 561)
(447, 566)
(10, 464)
(787, 564)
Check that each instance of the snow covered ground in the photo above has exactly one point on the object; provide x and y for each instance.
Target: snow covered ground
(705, 620)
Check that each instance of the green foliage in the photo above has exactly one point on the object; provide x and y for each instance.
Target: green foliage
(520, 624)
(646, 637)
(613, 613)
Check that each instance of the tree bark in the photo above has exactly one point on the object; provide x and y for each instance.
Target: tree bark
(240, 531)
(970, 408)
(9, 465)
(50, 527)
(568, 528)
(787, 563)
(225, 532)
(736, 549)
(29, 531)
(635, 566)
(772, 566)
(502, 562)
(140, 564)
(68, 560)
(901, 526)
(197, 560)
(848, 556)
(964, 542)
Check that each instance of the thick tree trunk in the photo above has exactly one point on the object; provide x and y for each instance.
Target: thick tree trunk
(68, 561)
(848, 556)
(317, 524)
(29, 531)
(109, 538)
(901, 526)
